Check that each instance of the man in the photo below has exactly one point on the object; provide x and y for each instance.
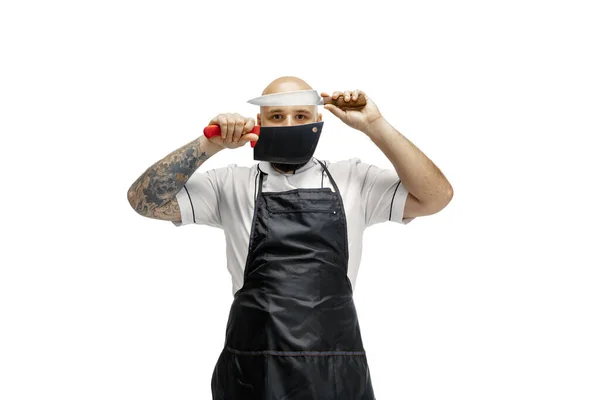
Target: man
(294, 242)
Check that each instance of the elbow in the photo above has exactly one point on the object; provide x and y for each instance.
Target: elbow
(449, 194)
(133, 200)
(439, 202)
(445, 199)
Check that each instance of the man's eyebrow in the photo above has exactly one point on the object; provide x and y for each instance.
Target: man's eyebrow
(304, 110)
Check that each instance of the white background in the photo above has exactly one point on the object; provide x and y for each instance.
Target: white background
(495, 297)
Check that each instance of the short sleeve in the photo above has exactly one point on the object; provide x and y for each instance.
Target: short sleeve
(382, 192)
(200, 197)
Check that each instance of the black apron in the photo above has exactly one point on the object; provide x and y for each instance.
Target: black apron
(293, 332)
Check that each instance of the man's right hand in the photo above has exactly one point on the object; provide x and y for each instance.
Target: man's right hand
(234, 130)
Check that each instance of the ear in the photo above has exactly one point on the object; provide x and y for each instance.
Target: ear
(258, 119)
(320, 117)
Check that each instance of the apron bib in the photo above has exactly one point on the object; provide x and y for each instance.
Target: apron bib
(293, 332)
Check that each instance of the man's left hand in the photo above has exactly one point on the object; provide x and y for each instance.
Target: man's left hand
(357, 119)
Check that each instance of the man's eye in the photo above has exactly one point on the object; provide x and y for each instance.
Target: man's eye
(276, 115)
(303, 117)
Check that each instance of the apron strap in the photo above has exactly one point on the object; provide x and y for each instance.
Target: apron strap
(260, 184)
(330, 177)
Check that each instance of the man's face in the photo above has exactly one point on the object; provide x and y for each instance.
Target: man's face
(288, 116)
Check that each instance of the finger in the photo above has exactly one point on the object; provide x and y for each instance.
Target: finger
(230, 128)
(324, 94)
(249, 125)
(239, 128)
(249, 137)
(222, 120)
(355, 95)
(338, 112)
(215, 120)
(335, 95)
(347, 96)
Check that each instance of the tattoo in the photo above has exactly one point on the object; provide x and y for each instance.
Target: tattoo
(153, 193)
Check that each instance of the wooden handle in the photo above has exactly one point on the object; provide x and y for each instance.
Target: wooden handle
(215, 130)
(360, 102)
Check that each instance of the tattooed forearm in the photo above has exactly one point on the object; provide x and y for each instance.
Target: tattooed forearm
(153, 193)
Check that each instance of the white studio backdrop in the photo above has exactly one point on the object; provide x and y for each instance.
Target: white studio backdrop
(495, 297)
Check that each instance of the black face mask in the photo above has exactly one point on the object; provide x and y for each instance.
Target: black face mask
(288, 147)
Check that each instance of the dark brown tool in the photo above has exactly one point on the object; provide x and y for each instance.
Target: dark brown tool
(360, 102)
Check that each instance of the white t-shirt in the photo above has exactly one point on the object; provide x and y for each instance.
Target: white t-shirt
(224, 198)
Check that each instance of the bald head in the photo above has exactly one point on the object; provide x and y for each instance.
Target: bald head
(286, 84)
(289, 115)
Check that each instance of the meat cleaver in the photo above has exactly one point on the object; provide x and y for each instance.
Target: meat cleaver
(299, 97)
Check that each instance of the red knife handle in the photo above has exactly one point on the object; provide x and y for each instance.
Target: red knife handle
(215, 130)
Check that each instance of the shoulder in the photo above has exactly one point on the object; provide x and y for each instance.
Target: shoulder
(232, 171)
(352, 168)
(341, 166)
(228, 177)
